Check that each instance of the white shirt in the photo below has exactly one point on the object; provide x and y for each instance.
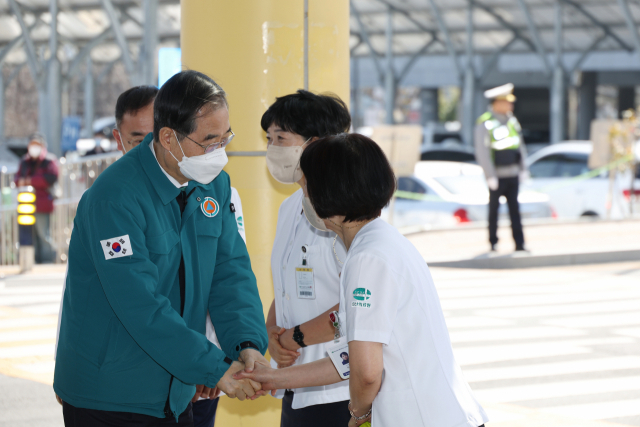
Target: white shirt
(387, 295)
(237, 203)
(294, 231)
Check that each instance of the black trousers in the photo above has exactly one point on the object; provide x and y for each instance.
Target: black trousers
(204, 412)
(81, 417)
(329, 414)
(507, 187)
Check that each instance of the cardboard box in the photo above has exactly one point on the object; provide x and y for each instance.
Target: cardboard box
(401, 145)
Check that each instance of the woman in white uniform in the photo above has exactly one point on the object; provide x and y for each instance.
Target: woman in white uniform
(400, 361)
(306, 259)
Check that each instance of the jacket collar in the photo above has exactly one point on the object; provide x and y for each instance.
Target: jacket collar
(165, 189)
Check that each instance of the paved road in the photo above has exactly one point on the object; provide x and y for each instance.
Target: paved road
(552, 347)
(543, 239)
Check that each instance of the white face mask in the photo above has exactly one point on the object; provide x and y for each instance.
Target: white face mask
(312, 216)
(204, 168)
(284, 162)
(35, 151)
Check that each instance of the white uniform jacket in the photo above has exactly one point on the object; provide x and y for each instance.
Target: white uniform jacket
(292, 233)
(387, 295)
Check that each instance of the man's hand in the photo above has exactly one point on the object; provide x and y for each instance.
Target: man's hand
(237, 388)
(250, 357)
(492, 183)
(525, 176)
(281, 355)
(196, 396)
(287, 342)
(214, 393)
(263, 374)
(205, 393)
(58, 399)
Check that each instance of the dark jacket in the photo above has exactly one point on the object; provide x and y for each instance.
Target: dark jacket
(121, 336)
(43, 173)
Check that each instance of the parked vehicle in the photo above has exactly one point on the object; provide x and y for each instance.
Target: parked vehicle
(555, 170)
(448, 152)
(451, 193)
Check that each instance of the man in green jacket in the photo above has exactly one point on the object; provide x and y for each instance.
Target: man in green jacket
(149, 256)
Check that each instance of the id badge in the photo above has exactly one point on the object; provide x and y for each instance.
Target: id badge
(305, 284)
(339, 354)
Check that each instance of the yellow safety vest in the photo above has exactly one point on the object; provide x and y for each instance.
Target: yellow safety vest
(503, 137)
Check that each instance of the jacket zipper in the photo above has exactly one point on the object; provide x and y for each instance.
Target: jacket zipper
(181, 280)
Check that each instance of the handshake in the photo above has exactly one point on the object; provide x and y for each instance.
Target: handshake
(238, 381)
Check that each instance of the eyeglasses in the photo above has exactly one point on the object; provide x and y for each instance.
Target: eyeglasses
(215, 145)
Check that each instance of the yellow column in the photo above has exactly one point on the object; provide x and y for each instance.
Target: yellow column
(255, 50)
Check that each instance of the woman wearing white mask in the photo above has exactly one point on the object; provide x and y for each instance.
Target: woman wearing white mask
(306, 259)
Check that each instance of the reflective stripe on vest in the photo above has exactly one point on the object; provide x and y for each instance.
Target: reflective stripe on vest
(503, 137)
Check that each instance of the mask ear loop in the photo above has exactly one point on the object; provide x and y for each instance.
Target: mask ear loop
(179, 145)
(121, 141)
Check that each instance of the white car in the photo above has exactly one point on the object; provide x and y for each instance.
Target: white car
(554, 171)
(450, 193)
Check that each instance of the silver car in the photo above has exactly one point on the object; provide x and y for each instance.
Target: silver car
(441, 194)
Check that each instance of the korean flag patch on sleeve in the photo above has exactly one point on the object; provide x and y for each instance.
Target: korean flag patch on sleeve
(116, 247)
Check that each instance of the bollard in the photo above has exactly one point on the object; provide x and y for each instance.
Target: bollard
(26, 220)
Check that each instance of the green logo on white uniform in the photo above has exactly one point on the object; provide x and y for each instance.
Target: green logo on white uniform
(240, 223)
(361, 295)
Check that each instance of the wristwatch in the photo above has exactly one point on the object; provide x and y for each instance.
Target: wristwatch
(298, 336)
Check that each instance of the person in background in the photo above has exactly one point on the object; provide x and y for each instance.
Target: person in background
(298, 321)
(149, 256)
(401, 367)
(39, 169)
(500, 151)
(134, 121)
(134, 116)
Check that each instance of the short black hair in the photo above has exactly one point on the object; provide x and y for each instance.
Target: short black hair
(180, 99)
(134, 99)
(347, 175)
(344, 353)
(307, 114)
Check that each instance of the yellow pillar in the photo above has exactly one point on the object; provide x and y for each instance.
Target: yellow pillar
(255, 50)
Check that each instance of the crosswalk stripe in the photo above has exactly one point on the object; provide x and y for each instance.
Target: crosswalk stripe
(27, 350)
(599, 410)
(17, 323)
(536, 300)
(596, 321)
(557, 389)
(500, 353)
(513, 333)
(552, 369)
(27, 335)
(563, 310)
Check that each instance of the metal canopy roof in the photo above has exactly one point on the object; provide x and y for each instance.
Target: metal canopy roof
(441, 26)
(424, 27)
(82, 23)
(427, 42)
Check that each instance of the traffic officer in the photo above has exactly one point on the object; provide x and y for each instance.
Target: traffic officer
(501, 152)
(155, 246)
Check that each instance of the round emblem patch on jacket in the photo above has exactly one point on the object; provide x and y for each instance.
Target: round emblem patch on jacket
(210, 207)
